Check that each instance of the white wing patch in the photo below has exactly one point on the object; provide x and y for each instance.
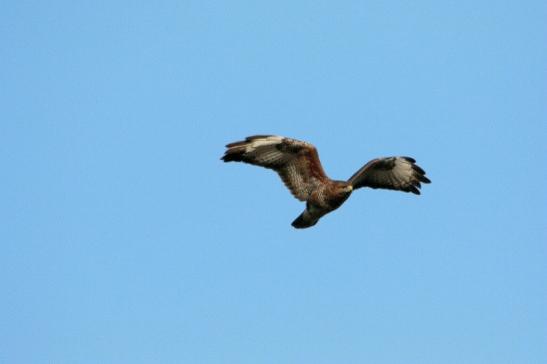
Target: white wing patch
(268, 141)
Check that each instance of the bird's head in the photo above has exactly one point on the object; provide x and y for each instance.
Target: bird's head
(344, 187)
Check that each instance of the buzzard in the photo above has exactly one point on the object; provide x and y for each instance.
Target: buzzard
(298, 165)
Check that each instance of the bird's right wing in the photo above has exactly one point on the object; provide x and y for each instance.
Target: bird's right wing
(393, 173)
(296, 162)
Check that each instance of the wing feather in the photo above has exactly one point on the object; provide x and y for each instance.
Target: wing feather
(296, 162)
(393, 173)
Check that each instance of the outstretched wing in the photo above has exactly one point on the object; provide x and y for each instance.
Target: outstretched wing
(393, 173)
(296, 162)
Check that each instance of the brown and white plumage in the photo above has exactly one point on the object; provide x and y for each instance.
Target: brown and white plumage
(298, 165)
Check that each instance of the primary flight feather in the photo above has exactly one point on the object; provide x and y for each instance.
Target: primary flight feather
(298, 165)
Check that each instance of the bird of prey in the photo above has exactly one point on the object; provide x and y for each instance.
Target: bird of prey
(298, 165)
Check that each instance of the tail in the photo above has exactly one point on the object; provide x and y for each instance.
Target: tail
(304, 220)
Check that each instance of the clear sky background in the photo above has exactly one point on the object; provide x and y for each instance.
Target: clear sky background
(126, 240)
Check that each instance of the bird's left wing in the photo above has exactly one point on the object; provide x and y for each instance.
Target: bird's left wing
(393, 173)
(296, 162)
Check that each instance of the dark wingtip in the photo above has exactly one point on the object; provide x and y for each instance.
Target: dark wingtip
(414, 190)
(420, 173)
(418, 169)
(232, 157)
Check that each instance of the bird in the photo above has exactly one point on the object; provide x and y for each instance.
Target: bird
(297, 163)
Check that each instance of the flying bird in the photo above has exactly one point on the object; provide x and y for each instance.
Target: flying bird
(298, 165)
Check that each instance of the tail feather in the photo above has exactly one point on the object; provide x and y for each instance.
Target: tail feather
(304, 220)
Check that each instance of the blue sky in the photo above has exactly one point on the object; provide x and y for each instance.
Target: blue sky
(126, 240)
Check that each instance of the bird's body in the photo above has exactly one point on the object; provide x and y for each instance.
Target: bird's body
(325, 198)
(298, 165)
